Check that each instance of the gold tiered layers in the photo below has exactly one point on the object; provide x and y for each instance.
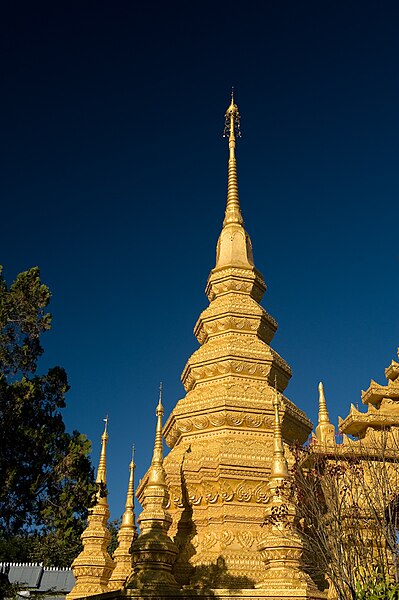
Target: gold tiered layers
(220, 434)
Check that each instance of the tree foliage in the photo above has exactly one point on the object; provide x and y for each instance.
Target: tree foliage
(46, 478)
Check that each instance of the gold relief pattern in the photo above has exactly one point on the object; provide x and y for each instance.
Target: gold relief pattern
(226, 539)
(211, 494)
(201, 422)
(261, 493)
(245, 538)
(227, 492)
(244, 492)
(209, 540)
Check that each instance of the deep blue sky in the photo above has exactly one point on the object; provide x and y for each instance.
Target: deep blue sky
(114, 179)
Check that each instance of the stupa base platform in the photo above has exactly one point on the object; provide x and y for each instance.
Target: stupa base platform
(274, 593)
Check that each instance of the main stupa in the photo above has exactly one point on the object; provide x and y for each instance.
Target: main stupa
(205, 503)
(221, 432)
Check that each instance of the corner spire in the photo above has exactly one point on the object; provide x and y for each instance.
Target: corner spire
(232, 130)
(126, 536)
(153, 552)
(280, 545)
(279, 467)
(325, 431)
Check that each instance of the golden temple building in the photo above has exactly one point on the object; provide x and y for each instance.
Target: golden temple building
(208, 527)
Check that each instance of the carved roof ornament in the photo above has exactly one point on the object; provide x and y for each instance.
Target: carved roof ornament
(93, 567)
(126, 535)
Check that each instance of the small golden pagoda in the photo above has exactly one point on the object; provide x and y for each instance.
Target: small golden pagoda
(325, 430)
(126, 536)
(280, 546)
(93, 567)
(153, 552)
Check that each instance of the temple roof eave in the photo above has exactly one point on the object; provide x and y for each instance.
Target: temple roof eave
(376, 393)
(357, 424)
(392, 372)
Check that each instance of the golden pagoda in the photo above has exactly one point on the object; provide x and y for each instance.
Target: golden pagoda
(126, 536)
(153, 552)
(218, 517)
(223, 427)
(93, 567)
(325, 430)
(281, 546)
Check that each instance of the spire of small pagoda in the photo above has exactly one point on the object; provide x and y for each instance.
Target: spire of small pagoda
(101, 479)
(325, 430)
(153, 552)
(93, 567)
(126, 536)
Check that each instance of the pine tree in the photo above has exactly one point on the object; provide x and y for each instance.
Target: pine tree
(46, 478)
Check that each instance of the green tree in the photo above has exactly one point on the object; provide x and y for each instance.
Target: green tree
(46, 478)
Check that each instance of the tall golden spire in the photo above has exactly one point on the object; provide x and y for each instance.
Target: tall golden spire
(325, 430)
(153, 552)
(234, 247)
(93, 567)
(126, 536)
(231, 130)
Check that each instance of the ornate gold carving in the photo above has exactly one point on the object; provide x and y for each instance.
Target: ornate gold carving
(244, 492)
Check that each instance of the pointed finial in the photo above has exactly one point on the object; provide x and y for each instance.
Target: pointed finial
(128, 515)
(156, 468)
(279, 467)
(160, 410)
(231, 130)
(132, 465)
(323, 412)
(325, 431)
(102, 465)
